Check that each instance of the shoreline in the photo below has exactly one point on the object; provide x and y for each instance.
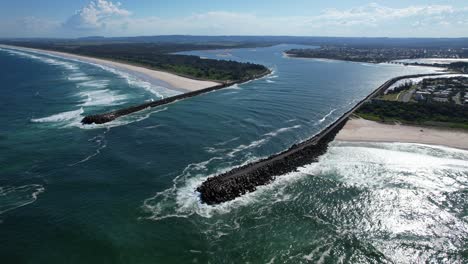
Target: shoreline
(160, 78)
(110, 116)
(241, 180)
(362, 130)
(393, 62)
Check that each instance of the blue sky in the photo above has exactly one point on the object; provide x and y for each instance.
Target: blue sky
(76, 18)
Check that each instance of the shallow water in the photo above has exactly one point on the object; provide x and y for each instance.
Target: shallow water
(124, 192)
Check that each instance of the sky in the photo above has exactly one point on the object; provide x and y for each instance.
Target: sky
(350, 18)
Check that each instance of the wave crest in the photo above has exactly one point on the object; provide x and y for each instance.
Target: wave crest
(61, 117)
(12, 197)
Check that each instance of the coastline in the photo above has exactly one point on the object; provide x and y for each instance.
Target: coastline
(436, 69)
(362, 130)
(240, 180)
(161, 78)
(110, 116)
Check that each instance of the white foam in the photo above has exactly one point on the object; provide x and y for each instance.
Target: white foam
(181, 200)
(282, 130)
(73, 118)
(233, 87)
(214, 150)
(227, 141)
(102, 97)
(45, 59)
(121, 121)
(424, 163)
(370, 65)
(270, 81)
(78, 77)
(12, 197)
(101, 144)
(94, 84)
(251, 145)
(158, 91)
(243, 147)
(133, 81)
(60, 117)
(326, 116)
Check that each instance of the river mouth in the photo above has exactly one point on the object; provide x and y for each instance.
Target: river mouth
(126, 189)
(246, 179)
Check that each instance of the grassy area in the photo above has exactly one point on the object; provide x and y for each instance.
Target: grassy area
(397, 96)
(390, 97)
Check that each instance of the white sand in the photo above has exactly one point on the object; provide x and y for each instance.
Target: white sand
(153, 76)
(369, 131)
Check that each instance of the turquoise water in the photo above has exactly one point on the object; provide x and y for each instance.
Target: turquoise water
(124, 192)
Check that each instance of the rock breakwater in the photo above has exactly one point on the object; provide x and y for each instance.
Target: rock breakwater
(241, 180)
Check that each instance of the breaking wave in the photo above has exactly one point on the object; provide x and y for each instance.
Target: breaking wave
(45, 59)
(78, 77)
(102, 97)
(12, 197)
(94, 84)
(61, 117)
(181, 200)
(121, 121)
(326, 116)
(101, 143)
(133, 81)
(407, 195)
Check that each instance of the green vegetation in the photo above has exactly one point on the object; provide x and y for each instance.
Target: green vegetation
(400, 92)
(160, 56)
(446, 115)
(390, 97)
(400, 88)
(193, 66)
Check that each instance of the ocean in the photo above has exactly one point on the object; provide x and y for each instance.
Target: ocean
(124, 192)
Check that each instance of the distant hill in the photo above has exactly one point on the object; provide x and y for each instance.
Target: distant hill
(271, 40)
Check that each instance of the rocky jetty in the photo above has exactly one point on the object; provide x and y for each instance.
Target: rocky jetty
(108, 117)
(230, 185)
(241, 180)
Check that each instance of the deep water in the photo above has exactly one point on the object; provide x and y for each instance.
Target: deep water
(124, 192)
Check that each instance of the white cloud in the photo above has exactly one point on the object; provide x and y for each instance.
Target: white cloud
(96, 15)
(373, 14)
(358, 21)
(108, 18)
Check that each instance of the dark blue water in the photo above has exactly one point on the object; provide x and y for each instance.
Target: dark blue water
(124, 192)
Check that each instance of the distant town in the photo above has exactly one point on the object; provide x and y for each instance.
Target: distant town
(441, 102)
(377, 55)
(439, 90)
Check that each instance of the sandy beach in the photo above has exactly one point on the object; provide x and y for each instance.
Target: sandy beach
(168, 80)
(369, 131)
